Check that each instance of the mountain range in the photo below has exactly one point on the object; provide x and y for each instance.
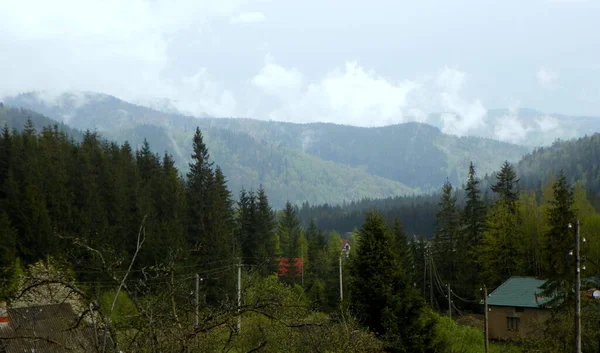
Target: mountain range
(315, 163)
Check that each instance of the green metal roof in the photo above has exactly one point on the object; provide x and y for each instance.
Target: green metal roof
(520, 292)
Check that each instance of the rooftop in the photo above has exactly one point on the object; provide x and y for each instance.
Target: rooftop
(523, 292)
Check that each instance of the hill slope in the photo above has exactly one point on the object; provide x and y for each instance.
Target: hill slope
(413, 154)
(285, 173)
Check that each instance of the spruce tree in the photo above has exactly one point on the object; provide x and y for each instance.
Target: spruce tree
(446, 234)
(560, 238)
(473, 225)
(197, 189)
(265, 229)
(382, 298)
(288, 231)
(506, 186)
(501, 251)
(473, 215)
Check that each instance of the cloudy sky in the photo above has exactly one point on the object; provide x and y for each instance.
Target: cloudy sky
(356, 62)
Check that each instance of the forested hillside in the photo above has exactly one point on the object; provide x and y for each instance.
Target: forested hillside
(417, 156)
(288, 173)
(578, 158)
(15, 118)
(117, 234)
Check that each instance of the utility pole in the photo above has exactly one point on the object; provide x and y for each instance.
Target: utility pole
(341, 287)
(239, 298)
(486, 327)
(449, 301)
(196, 320)
(577, 291)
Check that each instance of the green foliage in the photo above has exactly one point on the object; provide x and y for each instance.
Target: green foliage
(467, 339)
(124, 309)
(445, 238)
(559, 238)
(289, 232)
(506, 186)
(381, 296)
(501, 248)
(318, 163)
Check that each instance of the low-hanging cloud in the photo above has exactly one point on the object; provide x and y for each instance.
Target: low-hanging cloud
(110, 46)
(357, 96)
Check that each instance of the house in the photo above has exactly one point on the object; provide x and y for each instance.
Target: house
(515, 308)
(45, 328)
(345, 246)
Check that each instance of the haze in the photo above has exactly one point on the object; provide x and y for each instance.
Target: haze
(363, 63)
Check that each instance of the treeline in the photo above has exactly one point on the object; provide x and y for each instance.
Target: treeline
(102, 221)
(56, 192)
(577, 158)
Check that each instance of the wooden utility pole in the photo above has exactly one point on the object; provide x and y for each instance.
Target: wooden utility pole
(577, 291)
(486, 327)
(449, 301)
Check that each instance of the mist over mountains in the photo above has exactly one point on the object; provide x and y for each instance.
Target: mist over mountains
(316, 162)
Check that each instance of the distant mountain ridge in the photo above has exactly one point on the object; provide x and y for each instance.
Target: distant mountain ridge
(316, 163)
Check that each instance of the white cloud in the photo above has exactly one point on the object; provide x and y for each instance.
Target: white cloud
(275, 80)
(350, 95)
(248, 17)
(110, 46)
(509, 128)
(460, 116)
(546, 78)
(357, 96)
(548, 123)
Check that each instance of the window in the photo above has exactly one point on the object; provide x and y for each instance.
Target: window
(512, 323)
(519, 309)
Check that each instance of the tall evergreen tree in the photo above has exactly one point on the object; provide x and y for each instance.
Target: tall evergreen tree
(473, 215)
(506, 186)
(288, 231)
(473, 225)
(560, 239)
(265, 228)
(501, 252)
(198, 180)
(446, 235)
(382, 296)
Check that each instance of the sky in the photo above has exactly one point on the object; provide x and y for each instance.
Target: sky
(364, 63)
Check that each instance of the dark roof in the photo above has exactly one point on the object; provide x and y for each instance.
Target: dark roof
(523, 292)
(45, 328)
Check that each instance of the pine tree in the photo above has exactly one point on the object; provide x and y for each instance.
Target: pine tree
(446, 235)
(247, 228)
(473, 215)
(382, 297)
(265, 228)
(559, 239)
(501, 252)
(198, 181)
(506, 186)
(288, 231)
(473, 225)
